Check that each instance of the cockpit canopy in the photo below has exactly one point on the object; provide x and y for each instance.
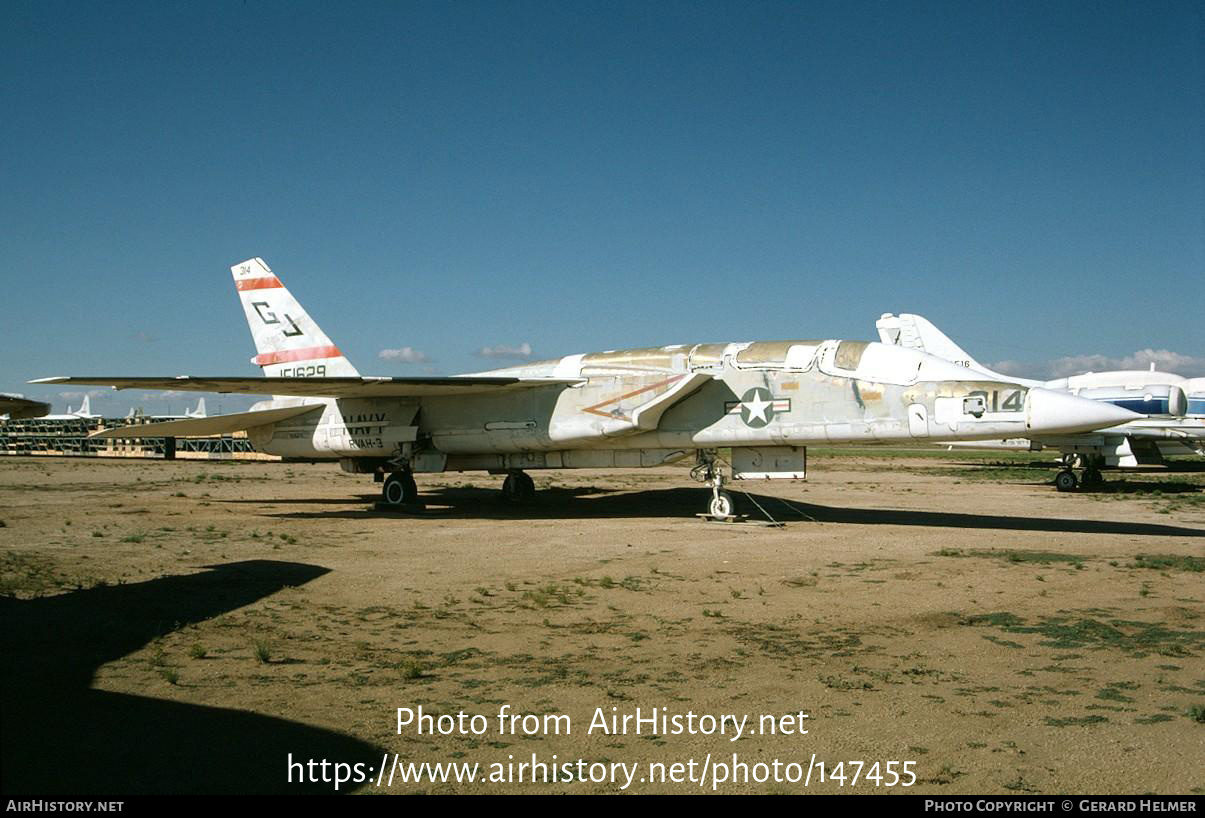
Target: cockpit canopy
(863, 360)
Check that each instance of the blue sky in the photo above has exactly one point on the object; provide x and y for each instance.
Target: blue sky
(566, 177)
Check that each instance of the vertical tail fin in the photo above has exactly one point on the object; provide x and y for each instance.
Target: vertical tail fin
(288, 343)
(199, 412)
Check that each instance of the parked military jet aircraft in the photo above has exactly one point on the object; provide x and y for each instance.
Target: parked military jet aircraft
(766, 400)
(1174, 407)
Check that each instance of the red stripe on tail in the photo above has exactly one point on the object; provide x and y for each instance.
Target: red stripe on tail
(287, 355)
(262, 283)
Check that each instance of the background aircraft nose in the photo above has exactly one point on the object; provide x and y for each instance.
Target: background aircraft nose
(1048, 410)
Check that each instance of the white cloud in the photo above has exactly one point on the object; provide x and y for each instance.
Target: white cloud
(1165, 360)
(171, 394)
(405, 355)
(1018, 368)
(520, 352)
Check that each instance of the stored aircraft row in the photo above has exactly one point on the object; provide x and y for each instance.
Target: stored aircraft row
(17, 407)
(199, 412)
(763, 400)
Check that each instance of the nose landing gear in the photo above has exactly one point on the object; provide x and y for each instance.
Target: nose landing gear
(722, 505)
(707, 470)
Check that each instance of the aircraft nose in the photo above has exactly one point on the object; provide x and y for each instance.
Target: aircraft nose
(1048, 410)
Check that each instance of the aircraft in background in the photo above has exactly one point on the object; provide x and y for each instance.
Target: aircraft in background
(84, 412)
(1174, 407)
(766, 400)
(18, 407)
(199, 412)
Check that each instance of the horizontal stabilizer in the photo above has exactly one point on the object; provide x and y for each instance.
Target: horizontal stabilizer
(354, 387)
(205, 427)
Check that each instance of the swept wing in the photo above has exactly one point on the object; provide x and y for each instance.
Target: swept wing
(345, 387)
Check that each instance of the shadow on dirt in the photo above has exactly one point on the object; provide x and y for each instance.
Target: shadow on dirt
(596, 503)
(62, 737)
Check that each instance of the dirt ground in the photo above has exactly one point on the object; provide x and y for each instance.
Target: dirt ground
(186, 626)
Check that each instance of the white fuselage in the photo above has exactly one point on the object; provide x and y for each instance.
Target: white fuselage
(655, 405)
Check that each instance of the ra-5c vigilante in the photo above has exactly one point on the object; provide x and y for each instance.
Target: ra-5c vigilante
(764, 400)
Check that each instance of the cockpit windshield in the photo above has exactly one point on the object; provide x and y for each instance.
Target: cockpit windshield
(849, 354)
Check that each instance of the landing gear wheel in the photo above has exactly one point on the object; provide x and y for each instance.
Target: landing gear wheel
(1092, 477)
(722, 506)
(518, 488)
(1065, 481)
(399, 489)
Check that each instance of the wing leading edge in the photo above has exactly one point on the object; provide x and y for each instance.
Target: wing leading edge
(355, 387)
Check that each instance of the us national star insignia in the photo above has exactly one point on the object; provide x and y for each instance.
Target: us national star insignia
(757, 407)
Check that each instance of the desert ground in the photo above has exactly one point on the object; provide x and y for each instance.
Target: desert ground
(185, 626)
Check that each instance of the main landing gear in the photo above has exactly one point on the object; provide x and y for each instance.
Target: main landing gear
(1066, 480)
(1091, 476)
(399, 489)
(518, 488)
(708, 470)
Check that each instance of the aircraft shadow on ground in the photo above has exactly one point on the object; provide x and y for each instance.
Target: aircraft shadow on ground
(596, 503)
(1187, 466)
(1135, 487)
(61, 737)
(1113, 483)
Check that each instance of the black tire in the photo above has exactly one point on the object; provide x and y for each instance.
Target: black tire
(1065, 481)
(1092, 477)
(399, 489)
(518, 488)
